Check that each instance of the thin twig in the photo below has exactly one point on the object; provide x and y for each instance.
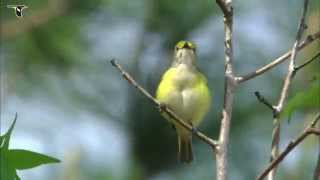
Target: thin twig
(292, 144)
(297, 68)
(307, 41)
(264, 101)
(164, 108)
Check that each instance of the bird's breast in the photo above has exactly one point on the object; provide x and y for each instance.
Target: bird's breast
(184, 77)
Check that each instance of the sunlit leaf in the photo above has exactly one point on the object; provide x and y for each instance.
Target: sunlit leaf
(24, 159)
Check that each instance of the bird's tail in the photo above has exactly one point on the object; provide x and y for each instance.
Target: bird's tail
(185, 148)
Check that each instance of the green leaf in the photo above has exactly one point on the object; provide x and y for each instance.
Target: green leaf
(6, 137)
(7, 172)
(307, 99)
(24, 159)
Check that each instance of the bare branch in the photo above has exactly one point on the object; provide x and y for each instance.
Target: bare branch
(229, 87)
(292, 144)
(164, 108)
(284, 93)
(285, 89)
(307, 41)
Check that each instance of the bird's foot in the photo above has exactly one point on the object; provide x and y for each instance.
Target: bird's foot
(194, 130)
(162, 107)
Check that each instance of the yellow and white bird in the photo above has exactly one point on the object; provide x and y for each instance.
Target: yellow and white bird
(183, 88)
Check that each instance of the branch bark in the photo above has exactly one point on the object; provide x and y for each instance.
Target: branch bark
(229, 87)
(164, 108)
(310, 129)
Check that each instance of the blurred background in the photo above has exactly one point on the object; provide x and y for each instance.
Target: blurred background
(73, 105)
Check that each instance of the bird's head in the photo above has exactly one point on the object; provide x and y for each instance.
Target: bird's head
(185, 53)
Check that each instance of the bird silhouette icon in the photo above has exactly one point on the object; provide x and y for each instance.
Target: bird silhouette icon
(18, 9)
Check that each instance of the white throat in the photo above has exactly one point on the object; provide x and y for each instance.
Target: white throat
(187, 57)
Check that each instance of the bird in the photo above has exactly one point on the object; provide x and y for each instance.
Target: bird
(183, 89)
(18, 9)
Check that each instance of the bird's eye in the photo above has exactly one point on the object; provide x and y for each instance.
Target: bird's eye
(192, 46)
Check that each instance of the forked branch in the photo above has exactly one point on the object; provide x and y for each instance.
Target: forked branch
(277, 109)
